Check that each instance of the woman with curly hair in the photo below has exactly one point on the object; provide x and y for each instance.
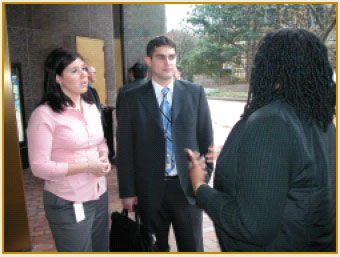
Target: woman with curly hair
(275, 181)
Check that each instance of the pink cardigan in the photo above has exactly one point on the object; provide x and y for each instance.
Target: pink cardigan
(57, 139)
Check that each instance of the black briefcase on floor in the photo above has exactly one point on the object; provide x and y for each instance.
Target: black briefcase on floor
(127, 235)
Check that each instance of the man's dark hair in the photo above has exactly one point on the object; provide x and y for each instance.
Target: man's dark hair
(130, 69)
(55, 64)
(139, 70)
(297, 61)
(157, 42)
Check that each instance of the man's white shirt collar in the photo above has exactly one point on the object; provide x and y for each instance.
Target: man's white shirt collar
(158, 91)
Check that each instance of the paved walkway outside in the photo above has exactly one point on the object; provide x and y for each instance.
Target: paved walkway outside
(224, 115)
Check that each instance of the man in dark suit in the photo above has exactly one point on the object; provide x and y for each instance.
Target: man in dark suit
(140, 74)
(92, 76)
(156, 123)
(106, 116)
(130, 75)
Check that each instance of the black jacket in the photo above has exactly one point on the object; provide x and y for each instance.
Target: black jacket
(141, 142)
(126, 88)
(275, 185)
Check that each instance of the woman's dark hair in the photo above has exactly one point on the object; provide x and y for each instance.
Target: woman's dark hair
(297, 61)
(55, 64)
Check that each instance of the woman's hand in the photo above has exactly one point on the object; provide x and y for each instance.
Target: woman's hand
(196, 170)
(107, 167)
(103, 157)
(99, 167)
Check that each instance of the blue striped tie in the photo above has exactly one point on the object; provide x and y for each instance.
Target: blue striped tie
(166, 118)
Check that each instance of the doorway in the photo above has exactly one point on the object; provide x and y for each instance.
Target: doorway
(92, 50)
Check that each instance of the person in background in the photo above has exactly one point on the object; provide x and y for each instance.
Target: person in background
(92, 76)
(178, 72)
(67, 149)
(275, 179)
(156, 122)
(130, 75)
(140, 74)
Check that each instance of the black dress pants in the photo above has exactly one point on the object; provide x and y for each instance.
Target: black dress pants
(186, 220)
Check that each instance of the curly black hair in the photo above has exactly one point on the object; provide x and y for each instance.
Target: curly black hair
(292, 64)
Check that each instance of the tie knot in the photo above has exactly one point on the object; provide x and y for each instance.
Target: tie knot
(165, 91)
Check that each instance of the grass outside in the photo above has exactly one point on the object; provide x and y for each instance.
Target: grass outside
(211, 92)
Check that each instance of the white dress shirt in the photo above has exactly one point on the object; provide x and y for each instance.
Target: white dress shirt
(159, 95)
(158, 91)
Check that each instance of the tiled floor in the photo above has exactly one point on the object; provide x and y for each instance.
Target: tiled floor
(224, 115)
(41, 235)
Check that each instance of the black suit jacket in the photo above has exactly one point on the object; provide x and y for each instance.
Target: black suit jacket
(126, 88)
(141, 142)
(275, 185)
(94, 94)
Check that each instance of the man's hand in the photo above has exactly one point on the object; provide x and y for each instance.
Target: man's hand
(129, 202)
(213, 154)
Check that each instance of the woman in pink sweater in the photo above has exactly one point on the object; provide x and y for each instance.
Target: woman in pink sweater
(67, 149)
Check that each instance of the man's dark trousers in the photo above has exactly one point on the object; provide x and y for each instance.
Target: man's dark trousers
(141, 160)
